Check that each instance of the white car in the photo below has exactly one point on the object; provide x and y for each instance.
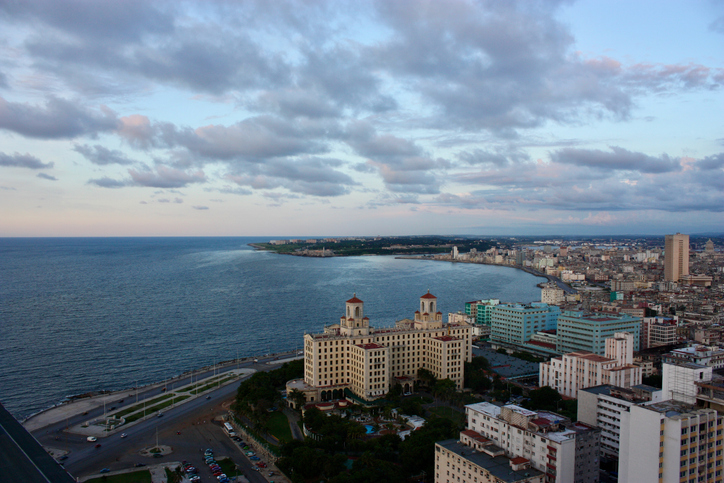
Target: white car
(91, 439)
(123, 435)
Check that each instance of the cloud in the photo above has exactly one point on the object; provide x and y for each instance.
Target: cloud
(23, 161)
(306, 175)
(100, 155)
(200, 207)
(47, 176)
(165, 177)
(59, 118)
(618, 159)
(106, 182)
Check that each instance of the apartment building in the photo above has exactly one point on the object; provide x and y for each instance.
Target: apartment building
(601, 406)
(679, 380)
(551, 294)
(354, 357)
(577, 370)
(671, 441)
(565, 452)
(584, 331)
(459, 462)
(658, 331)
(481, 310)
(516, 323)
(696, 354)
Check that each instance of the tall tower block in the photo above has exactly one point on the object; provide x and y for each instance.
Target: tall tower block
(676, 257)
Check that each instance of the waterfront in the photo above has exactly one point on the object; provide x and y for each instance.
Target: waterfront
(81, 315)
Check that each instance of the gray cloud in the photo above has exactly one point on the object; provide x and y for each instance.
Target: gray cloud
(618, 159)
(106, 182)
(59, 118)
(200, 207)
(308, 175)
(23, 161)
(47, 176)
(102, 156)
(715, 161)
(165, 177)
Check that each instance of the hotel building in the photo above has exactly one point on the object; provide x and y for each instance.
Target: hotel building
(353, 358)
(676, 256)
(515, 324)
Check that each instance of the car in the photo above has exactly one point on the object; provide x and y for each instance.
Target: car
(98, 445)
(105, 470)
(254, 458)
(113, 408)
(158, 455)
(138, 465)
(124, 435)
(63, 458)
(160, 415)
(195, 478)
(91, 439)
(250, 453)
(261, 464)
(208, 397)
(214, 467)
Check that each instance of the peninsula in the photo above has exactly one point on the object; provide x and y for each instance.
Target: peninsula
(356, 246)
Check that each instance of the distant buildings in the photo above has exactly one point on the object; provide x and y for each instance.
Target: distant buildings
(352, 358)
(583, 331)
(676, 256)
(578, 370)
(658, 331)
(696, 354)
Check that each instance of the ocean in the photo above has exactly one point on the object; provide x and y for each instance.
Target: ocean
(89, 314)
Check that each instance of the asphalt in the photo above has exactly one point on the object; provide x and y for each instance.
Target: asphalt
(187, 428)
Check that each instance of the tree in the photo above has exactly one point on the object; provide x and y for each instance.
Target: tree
(297, 397)
(444, 389)
(426, 377)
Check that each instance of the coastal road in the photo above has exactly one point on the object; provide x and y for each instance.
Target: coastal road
(119, 453)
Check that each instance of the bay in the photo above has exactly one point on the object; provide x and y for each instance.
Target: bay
(89, 314)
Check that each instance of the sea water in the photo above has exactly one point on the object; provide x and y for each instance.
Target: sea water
(89, 314)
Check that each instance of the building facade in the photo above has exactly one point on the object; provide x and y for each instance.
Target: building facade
(578, 370)
(353, 356)
(658, 331)
(696, 354)
(581, 331)
(671, 441)
(564, 451)
(679, 380)
(676, 256)
(516, 323)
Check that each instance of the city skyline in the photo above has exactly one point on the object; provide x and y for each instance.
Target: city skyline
(394, 118)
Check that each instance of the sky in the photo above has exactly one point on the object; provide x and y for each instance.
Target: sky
(310, 118)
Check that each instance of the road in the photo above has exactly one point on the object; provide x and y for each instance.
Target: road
(192, 419)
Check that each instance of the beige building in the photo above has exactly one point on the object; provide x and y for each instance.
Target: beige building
(352, 356)
(676, 256)
(578, 370)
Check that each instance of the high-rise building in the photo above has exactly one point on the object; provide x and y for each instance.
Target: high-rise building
(671, 441)
(516, 323)
(582, 331)
(676, 257)
(353, 357)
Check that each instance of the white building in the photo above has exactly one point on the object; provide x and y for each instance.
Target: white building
(577, 370)
(552, 294)
(670, 441)
(679, 380)
(564, 451)
(697, 354)
(601, 406)
(366, 361)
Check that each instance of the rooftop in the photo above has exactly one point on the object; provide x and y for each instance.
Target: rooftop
(498, 466)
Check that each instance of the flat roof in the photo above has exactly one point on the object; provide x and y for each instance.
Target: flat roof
(498, 466)
(22, 458)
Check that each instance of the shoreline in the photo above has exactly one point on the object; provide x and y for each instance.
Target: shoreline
(91, 397)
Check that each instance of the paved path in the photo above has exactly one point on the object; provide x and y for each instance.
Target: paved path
(293, 418)
(158, 472)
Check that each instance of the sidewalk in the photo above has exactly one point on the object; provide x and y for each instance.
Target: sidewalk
(158, 472)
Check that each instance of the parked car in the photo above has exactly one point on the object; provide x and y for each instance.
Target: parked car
(105, 470)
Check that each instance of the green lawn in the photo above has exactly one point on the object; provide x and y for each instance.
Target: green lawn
(279, 426)
(157, 407)
(143, 476)
(138, 406)
(228, 467)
